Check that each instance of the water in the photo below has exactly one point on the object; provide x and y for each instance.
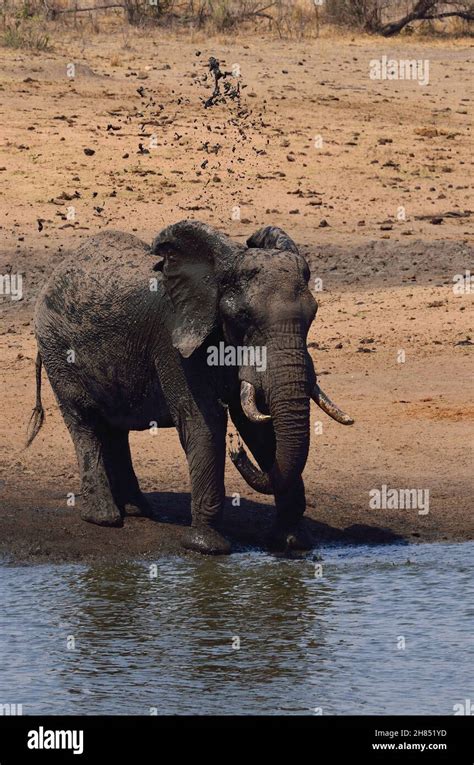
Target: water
(306, 643)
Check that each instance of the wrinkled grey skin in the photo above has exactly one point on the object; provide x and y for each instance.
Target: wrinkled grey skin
(141, 358)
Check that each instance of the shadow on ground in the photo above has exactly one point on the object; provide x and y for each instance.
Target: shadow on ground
(42, 530)
(248, 524)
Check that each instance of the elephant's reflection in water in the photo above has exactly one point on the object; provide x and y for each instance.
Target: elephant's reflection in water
(177, 628)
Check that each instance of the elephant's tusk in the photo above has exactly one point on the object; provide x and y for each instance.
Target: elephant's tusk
(325, 403)
(249, 404)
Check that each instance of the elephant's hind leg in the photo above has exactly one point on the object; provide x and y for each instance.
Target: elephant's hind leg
(119, 467)
(92, 443)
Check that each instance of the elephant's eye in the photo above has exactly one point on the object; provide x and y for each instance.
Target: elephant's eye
(229, 304)
(233, 310)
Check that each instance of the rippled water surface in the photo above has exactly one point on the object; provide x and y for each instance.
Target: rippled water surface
(97, 639)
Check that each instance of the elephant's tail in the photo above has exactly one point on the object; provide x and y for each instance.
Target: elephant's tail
(37, 415)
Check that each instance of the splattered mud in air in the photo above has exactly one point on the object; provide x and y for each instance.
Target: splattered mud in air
(370, 178)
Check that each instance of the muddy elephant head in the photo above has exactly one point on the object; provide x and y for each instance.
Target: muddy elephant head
(258, 296)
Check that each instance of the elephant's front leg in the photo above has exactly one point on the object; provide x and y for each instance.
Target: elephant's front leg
(288, 532)
(204, 444)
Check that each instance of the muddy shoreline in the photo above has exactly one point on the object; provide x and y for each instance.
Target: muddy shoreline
(46, 533)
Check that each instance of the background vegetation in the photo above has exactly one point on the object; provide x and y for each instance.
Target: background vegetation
(30, 23)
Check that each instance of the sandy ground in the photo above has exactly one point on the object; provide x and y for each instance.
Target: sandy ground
(158, 156)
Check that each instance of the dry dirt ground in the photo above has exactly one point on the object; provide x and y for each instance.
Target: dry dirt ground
(392, 341)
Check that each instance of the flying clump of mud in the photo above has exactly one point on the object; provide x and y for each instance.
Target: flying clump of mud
(223, 135)
(237, 136)
(230, 90)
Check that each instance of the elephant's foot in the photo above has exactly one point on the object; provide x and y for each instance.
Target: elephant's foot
(205, 540)
(285, 540)
(104, 513)
(138, 506)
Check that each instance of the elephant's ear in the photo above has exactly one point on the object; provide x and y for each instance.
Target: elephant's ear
(272, 238)
(192, 253)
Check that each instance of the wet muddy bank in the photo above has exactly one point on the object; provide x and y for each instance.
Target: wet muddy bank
(46, 532)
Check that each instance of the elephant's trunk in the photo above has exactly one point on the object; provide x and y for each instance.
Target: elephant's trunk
(287, 397)
(288, 403)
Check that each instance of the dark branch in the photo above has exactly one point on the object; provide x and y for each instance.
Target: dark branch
(421, 8)
(467, 15)
(423, 11)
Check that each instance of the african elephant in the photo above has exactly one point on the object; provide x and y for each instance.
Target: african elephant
(124, 331)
